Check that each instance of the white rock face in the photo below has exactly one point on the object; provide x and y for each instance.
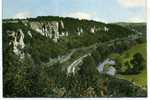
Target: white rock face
(67, 34)
(106, 29)
(62, 24)
(17, 42)
(29, 33)
(79, 31)
(40, 31)
(49, 29)
(92, 30)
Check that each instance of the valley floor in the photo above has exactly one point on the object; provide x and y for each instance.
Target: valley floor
(141, 78)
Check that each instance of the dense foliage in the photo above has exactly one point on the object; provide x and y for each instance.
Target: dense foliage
(33, 76)
(137, 64)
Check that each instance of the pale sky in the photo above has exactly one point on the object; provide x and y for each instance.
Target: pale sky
(100, 10)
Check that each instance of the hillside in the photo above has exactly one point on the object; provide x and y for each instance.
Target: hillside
(141, 78)
(52, 56)
(140, 27)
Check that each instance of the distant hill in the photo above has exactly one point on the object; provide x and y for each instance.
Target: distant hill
(58, 32)
(140, 27)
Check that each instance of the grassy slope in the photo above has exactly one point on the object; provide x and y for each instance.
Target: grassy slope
(139, 79)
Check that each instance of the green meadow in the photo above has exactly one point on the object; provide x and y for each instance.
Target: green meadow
(138, 79)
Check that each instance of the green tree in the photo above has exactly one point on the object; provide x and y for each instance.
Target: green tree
(88, 72)
(137, 63)
(96, 56)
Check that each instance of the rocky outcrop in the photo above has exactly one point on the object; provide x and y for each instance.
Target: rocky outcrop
(79, 31)
(17, 42)
(50, 29)
(96, 29)
(30, 34)
(93, 30)
(106, 29)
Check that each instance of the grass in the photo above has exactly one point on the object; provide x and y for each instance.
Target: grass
(141, 48)
(138, 79)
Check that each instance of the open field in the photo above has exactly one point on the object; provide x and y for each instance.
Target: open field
(141, 78)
